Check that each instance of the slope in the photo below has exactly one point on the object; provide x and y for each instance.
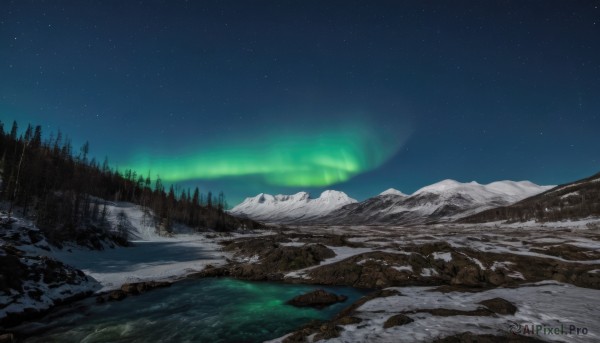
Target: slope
(575, 200)
(291, 208)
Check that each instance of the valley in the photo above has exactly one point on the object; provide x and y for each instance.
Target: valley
(436, 278)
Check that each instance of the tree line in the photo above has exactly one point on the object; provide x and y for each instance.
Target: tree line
(66, 190)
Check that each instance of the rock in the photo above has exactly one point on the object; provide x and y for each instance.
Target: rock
(468, 276)
(130, 288)
(274, 257)
(319, 299)
(133, 289)
(429, 248)
(296, 337)
(397, 320)
(348, 320)
(117, 295)
(141, 287)
(497, 278)
(327, 331)
(499, 306)
(213, 272)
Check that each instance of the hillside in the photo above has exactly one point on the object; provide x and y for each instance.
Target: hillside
(446, 200)
(67, 193)
(575, 200)
(291, 208)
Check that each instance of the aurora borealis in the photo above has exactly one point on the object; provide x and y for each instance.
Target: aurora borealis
(286, 96)
(309, 160)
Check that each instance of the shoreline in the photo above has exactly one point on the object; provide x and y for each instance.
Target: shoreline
(461, 260)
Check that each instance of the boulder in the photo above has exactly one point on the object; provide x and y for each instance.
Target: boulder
(141, 287)
(397, 320)
(117, 295)
(130, 288)
(327, 331)
(499, 306)
(319, 299)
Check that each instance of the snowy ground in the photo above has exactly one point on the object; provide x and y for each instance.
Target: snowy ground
(549, 311)
(550, 304)
(145, 260)
(545, 305)
(151, 257)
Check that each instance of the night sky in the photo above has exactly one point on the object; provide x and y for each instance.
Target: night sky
(282, 96)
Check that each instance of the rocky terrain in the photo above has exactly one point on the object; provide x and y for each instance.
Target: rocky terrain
(31, 283)
(434, 283)
(432, 274)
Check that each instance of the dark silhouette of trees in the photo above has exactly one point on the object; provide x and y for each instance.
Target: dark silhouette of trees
(68, 192)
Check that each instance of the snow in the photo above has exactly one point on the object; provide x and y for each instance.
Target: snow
(443, 201)
(151, 257)
(49, 293)
(392, 191)
(427, 272)
(146, 260)
(341, 253)
(576, 193)
(446, 256)
(456, 198)
(546, 303)
(403, 268)
(282, 208)
(443, 186)
(292, 244)
(501, 265)
(474, 260)
(510, 191)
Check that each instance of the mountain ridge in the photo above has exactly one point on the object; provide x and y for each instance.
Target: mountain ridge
(574, 200)
(441, 201)
(284, 208)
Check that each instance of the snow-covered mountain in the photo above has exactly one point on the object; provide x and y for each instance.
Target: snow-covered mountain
(393, 191)
(442, 201)
(572, 201)
(291, 208)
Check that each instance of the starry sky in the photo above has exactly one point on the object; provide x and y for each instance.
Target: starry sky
(283, 96)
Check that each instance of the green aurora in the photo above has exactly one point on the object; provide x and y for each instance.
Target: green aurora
(314, 159)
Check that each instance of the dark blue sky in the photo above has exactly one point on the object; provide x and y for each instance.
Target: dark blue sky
(253, 96)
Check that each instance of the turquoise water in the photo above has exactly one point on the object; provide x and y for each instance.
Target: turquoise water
(202, 310)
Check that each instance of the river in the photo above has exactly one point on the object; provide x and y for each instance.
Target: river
(194, 310)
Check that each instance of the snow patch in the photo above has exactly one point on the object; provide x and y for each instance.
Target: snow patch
(446, 256)
(427, 272)
(403, 268)
(546, 303)
(392, 191)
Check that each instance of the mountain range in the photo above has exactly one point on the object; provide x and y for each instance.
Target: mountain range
(299, 207)
(574, 200)
(443, 201)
